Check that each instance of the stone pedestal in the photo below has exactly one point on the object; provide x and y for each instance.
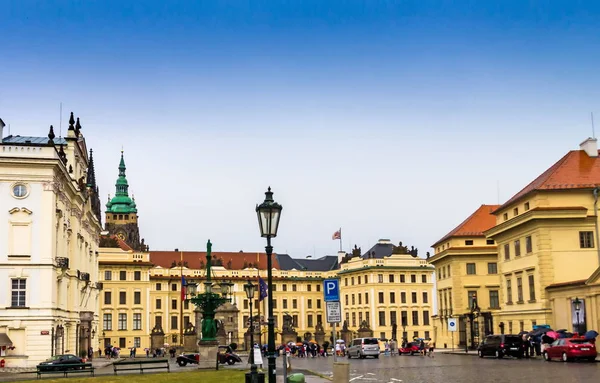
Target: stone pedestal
(341, 372)
(157, 338)
(320, 337)
(365, 333)
(346, 336)
(289, 336)
(208, 354)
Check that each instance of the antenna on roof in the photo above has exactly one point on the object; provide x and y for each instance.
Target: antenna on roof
(60, 124)
(9, 129)
(593, 130)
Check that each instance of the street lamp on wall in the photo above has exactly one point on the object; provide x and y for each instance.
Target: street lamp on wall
(577, 307)
(268, 214)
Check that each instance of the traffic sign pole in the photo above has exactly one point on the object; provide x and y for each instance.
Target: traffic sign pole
(334, 342)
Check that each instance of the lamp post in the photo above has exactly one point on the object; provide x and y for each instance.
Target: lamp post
(474, 314)
(250, 288)
(269, 213)
(577, 307)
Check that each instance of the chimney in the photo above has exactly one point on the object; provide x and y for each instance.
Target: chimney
(590, 147)
(341, 255)
(1, 130)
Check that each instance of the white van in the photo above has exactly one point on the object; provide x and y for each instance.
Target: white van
(363, 347)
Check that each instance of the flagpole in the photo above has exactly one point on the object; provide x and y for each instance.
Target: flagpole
(181, 303)
(341, 239)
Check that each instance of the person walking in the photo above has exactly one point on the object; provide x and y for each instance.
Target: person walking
(431, 348)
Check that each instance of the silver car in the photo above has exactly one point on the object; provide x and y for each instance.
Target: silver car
(363, 347)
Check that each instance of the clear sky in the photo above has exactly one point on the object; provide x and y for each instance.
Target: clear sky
(390, 119)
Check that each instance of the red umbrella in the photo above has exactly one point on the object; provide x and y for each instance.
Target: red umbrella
(552, 334)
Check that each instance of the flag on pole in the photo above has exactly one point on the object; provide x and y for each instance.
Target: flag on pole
(263, 289)
(183, 287)
(337, 234)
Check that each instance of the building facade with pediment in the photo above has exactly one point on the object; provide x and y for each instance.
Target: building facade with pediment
(48, 246)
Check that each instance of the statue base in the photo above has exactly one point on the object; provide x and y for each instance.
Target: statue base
(208, 354)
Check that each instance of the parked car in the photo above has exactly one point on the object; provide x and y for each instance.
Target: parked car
(185, 359)
(226, 355)
(571, 348)
(410, 348)
(363, 347)
(60, 363)
(501, 345)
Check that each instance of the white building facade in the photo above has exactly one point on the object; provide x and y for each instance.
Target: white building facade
(49, 234)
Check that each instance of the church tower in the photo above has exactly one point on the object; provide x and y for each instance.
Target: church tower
(121, 213)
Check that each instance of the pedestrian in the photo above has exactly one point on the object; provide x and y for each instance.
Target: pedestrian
(99, 351)
(431, 348)
(422, 350)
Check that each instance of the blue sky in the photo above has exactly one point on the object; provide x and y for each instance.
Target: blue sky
(391, 119)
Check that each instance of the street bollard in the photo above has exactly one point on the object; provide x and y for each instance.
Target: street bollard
(341, 372)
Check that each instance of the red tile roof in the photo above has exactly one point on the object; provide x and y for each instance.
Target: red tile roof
(231, 261)
(474, 226)
(576, 170)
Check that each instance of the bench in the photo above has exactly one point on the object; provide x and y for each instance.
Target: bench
(141, 365)
(65, 369)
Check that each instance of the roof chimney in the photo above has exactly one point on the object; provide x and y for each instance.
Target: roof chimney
(590, 147)
(1, 129)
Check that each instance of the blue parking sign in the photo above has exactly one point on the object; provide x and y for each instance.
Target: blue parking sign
(331, 289)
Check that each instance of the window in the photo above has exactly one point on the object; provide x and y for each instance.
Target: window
(107, 322)
(448, 271)
(423, 278)
(392, 297)
(415, 334)
(294, 303)
(310, 320)
(425, 297)
(586, 239)
(471, 269)
(492, 268)
(122, 321)
(123, 275)
(309, 302)
(366, 279)
(368, 317)
(526, 206)
(472, 297)
(517, 248)
(469, 242)
(528, 245)
(173, 322)
(122, 297)
(519, 290)
(295, 320)
(309, 287)
(508, 291)
(186, 305)
(403, 297)
(391, 278)
(285, 304)
(345, 281)
(107, 298)
(318, 287)
(319, 301)
(137, 298)
(494, 299)
(425, 317)
(158, 286)
(352, 281)
(402, 278)
(413, 297)
(245, 304)
(107, 275)
(382, 318)
(505, 216)
(173, 286)
(393, 318)
(137, 342)
(426, 336)
(346, 299)
(284, 287)
(274, 304)
(516, 211)
(174, 304)
(158, 304)
(366, 298)
(319, 318)
(137, 321)
(531, 287)
(122, 342)
(293, 287)
(415, 318)
(380, 297)
(413, 278)
(158, 321)
(380, 278)
(489, 241)
(506, 252)
(137, 275)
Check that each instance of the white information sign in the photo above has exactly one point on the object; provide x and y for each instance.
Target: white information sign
(452, 324)
(334, 312)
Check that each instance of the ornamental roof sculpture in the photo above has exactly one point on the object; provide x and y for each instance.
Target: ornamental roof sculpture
(121, 203)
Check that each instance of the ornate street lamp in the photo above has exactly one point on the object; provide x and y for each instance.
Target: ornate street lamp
(250, 288)
(208, 301)
(474, 314)
(577, 307)
(268, 214)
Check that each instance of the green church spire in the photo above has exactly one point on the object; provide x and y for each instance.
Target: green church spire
(121, 203)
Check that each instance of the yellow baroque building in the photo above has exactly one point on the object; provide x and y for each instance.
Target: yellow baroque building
(466, 264)
(548, 254)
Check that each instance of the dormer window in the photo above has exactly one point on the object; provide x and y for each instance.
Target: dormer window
(526, 206)
(469, 242)
(516, 211)
(505, 216)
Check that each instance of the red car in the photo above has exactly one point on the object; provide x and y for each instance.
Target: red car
(411, 348)
(570, 349)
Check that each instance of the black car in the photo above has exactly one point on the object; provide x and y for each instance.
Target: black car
(500, 346)
(60, 363)
(185, 359)
(227, 355)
